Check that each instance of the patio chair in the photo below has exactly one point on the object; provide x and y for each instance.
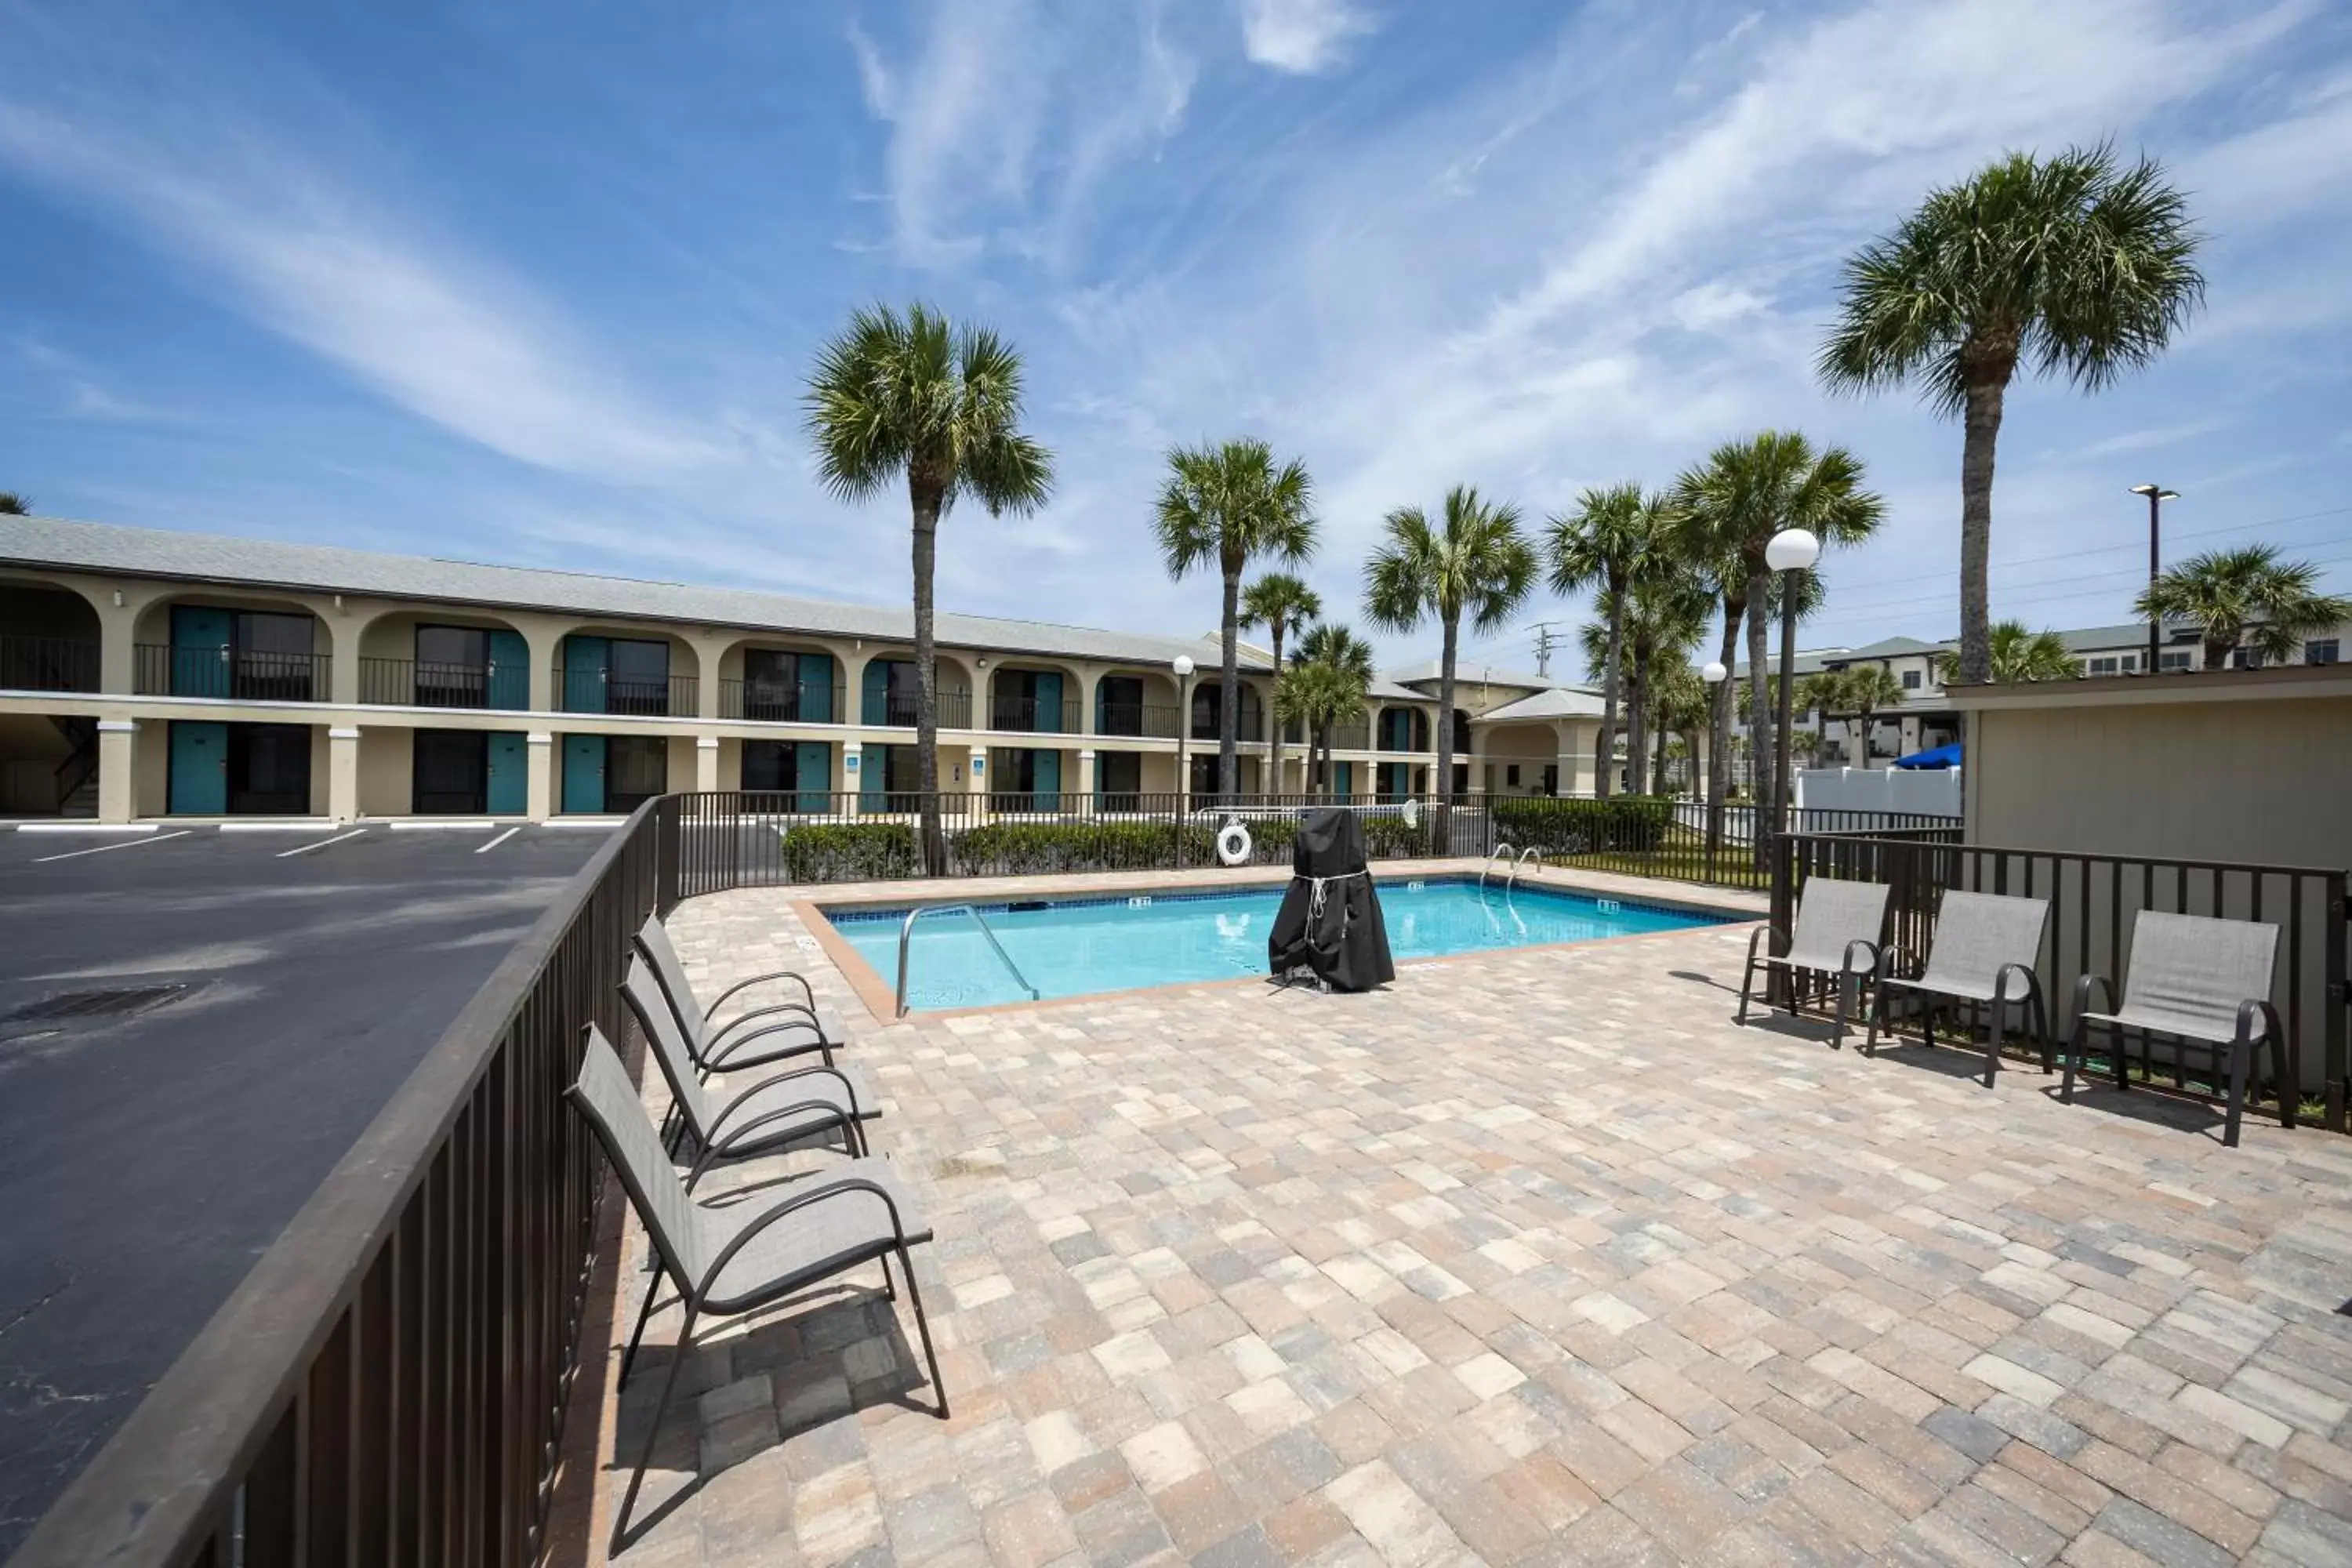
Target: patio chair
(1836, 921)
(2194, 978)
(1986, 947)
(729, 1261)
(797, 1027)
(767, 1117)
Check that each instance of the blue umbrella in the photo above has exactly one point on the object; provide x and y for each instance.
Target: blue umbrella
(1945, 756)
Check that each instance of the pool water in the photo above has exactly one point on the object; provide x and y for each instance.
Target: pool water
(1082, 946)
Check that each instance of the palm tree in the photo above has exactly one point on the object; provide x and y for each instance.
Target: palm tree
(914, 395)
(1347, 659)
(1679, 700)
(2244, 595)
(1602, 546)
(1226, 506)
(1858, 691)
(14, 505)
(2019, 655)
(1728, 509)
(2074, 265)
(1474, 562)
(1281, 603)
(1664, 615)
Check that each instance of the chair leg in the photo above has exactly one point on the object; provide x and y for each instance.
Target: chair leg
(1877, 1016)
(645, 1316)
(1845, 985)
(2241, 1051)
(923, 1327)
(1992, 1041)
(2072, 1059)
(890, 1290)
(1746, 988)
(653, 1432)
(2041, 1005)
(2118, 1050)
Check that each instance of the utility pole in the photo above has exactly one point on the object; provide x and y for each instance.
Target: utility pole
(1543, 650)
(2156, 496)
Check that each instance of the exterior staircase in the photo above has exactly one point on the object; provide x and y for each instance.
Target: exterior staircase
(76, 776)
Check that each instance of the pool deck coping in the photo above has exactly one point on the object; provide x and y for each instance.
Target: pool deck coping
(881, 999)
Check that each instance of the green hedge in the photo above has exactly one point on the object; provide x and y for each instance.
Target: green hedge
(849, 852)
(1387, 838)
(1627, 823)
(1020, 848)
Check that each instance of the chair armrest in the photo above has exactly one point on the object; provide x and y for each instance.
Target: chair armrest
(832, 1187)
(849, 1093)
(807, 995)
(1867, 946)
(1758, 934)
(716, 1061)
(1901, 963)
(2000, 982)
(2083, 993)
(739, 1019)
(2253, 1012)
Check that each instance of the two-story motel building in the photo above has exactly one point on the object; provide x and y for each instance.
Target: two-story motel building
(149, 674)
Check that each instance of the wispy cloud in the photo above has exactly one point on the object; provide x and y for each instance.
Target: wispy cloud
(1300, 35)
(440, 331)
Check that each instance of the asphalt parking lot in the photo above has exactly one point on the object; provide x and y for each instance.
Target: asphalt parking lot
(193, 1027)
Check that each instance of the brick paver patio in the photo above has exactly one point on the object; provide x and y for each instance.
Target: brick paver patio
(1534, 1258)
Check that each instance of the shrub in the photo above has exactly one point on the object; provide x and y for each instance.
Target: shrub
(849, 851)
(1020, 848)
(1389, 839)
(1621, 823)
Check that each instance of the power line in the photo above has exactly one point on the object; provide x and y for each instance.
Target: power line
(2080, 587)
(2133, 544)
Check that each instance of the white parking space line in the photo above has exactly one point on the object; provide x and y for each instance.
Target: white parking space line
(126, 844)
(501, 838)
(321, 844)
(309, 824)
(85, 827)
(456, 824)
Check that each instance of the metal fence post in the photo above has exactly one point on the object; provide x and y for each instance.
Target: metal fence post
(2337, 1068)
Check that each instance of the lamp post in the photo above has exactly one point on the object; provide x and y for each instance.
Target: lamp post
(1718, 736)
(2156, 496)
(1184, 668)
(1791, 551)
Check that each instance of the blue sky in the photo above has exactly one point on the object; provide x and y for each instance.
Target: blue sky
(537, 283)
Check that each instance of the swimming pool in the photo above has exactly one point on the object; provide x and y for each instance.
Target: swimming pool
(1078, 947)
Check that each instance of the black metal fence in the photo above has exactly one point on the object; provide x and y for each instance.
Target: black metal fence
(1652, 836)
(388, 1383)
(427, 683)
(2094, 900)
(48, 664)
(247, 674)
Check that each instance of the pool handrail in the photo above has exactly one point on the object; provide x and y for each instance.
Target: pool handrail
(1521, 860)
(906, 932)
(1500, 848)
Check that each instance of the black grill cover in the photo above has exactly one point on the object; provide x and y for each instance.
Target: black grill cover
(1344, 943)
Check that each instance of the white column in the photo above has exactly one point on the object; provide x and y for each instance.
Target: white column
(344, 774)
(1086, 790)
(117, 781)
(705, 764)
(853, 768)
(539, 791)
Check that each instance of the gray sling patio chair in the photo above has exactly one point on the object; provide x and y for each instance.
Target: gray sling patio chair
(1986, 947)
(791, 1028)
(727, 1262)
(742, 1120)
(1838, 927)
(2196, 979)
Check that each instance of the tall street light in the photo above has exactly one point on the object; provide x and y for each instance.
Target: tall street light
(1792, 551)
(1184, 668)
(2156, 496)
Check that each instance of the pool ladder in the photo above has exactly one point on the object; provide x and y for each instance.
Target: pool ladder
(906, 932)
(1512, 880)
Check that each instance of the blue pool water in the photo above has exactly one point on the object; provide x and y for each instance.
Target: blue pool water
(1084, 946)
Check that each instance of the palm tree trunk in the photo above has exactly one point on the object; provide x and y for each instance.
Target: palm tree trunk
(1437, 817)
(1229, 692)
(1637, 725)
(1718, 749)
(1759, 705)
(1609, 678)
(934, 842)
(1987, 371)
(1274, 747)
(1658, 768)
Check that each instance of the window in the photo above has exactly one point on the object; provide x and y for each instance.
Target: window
(639, 683)
(2320, 652)
(636, 767)
(1118, 705)
(1511, 775)
(2174, 658)
(1118, 779)
(2246, 659)
(778, 686)
(1910, 680)
(2105, 664)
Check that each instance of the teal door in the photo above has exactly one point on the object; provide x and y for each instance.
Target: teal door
(199, 769)
(583, 774)
(1047, 769)
(585, 660)
(813, 776)
(508, 792)
(1343, 780)
(877, 693)
(813, 675)
(509, 673)
(200, 651)
(1049, 706)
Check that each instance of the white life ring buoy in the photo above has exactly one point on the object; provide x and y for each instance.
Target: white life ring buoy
(1234, 844)
(1412, 814)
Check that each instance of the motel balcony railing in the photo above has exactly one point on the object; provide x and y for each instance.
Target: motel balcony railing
(894, 709)
(1249, 732)
(600, 691)
(413, 683)
(781, 702)
(1140, 721)
(1026, 716)
(48, 664)
(231, 674)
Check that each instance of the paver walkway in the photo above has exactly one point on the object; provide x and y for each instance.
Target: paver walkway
(1534, 1258)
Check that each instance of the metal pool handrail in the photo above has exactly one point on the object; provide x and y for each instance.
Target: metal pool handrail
(906, 932)
(1502, 849)
(1520, 859)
